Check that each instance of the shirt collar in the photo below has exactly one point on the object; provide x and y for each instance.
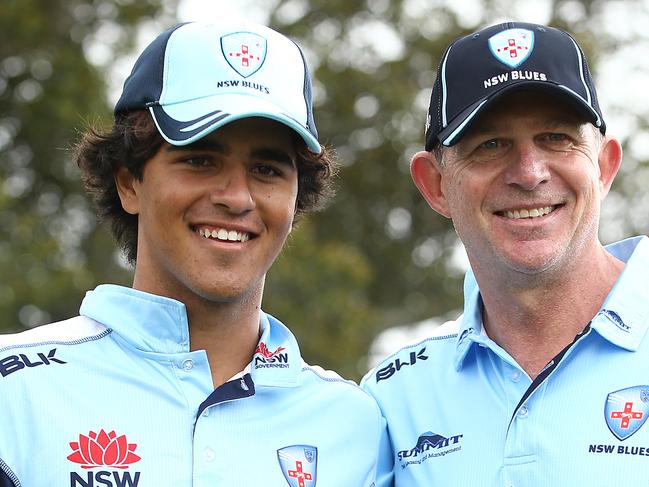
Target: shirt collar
(622, 320)
(149, 322)
(158, 324)
(277, 360)
(624, 317)
(470, 329)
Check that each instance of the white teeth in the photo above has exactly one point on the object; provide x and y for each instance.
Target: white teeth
(223, 234)
(531, 213)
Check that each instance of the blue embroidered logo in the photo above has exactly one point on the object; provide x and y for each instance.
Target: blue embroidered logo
(626, 410)
(426, 442)
(299, 464)
(512, 46)
(617, 321)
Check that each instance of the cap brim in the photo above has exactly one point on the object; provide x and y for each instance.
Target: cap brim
(452, 133)
(184, 123)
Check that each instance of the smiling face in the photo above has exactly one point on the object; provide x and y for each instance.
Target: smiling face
(524, 185)
(214, 215)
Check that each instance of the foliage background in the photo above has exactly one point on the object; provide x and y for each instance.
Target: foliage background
(378, 256)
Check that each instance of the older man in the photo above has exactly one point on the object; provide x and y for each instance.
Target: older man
(543, 379)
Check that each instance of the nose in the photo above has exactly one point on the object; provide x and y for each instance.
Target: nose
(528, 168)
(232, 191)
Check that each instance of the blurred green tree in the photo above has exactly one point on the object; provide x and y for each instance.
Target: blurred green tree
(377, 257)
(51, 249)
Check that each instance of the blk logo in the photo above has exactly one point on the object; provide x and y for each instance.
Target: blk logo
(395, 366)
(103, 451)
(14, 363)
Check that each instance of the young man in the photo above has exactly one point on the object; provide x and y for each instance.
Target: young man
(182, 379)
(543, 379)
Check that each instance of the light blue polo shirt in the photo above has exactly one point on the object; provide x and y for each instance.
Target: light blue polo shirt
(461, 412)
(115, 397)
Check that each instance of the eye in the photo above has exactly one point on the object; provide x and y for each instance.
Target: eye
(557, 137)
(266, 170)
(197, 160)
(490, 144)
(558, 140)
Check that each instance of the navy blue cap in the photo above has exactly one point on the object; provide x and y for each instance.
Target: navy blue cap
(479, 68)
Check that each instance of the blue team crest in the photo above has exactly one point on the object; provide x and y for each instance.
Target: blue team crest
(627, 410)
(512, 46)
(245, 52)
(299, 464)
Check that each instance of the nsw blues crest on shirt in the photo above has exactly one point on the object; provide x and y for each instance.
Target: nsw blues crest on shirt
(627, 410)
(299, 464)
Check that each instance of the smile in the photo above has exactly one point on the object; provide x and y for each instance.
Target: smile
(224, 234)
(528, 213)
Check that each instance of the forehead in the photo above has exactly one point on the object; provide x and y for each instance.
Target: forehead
(253, 129)
(527, 108)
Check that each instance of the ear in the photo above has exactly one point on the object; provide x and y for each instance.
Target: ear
(427, 177)
(610, 159)
(126, 184)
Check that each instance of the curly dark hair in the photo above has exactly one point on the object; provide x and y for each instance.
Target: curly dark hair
(134, 139)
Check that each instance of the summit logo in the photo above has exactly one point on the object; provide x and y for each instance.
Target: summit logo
(110, 454)
(429, 445)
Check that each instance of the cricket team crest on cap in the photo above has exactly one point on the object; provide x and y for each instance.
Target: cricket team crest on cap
(626, 410)
(245, 52)
(299, 464)
(512, 46)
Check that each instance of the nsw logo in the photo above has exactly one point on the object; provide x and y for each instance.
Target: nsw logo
(512, 46)
(626, 410)
(264, 358)
(103, 451)
(245, 52)
(299, 464)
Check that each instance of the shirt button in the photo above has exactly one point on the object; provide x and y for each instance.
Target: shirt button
(523, 412)
(188, 365)
(210, 455)
(515, 376)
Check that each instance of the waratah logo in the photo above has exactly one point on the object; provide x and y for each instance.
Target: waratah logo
(103, 450)
(262, 350)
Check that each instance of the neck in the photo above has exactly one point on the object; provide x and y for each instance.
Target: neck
(228, 330)
(229, 334)
(533, 318)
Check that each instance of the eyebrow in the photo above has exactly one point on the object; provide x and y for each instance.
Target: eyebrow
(262, 153)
